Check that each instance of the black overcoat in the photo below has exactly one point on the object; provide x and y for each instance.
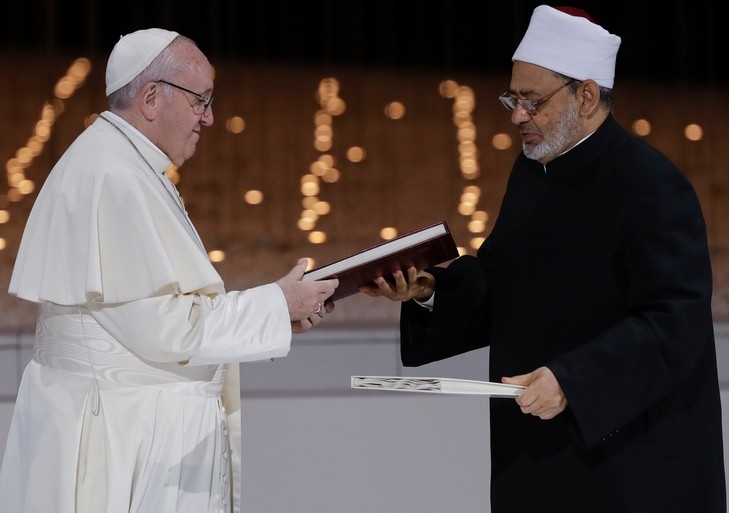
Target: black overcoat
(597, 267)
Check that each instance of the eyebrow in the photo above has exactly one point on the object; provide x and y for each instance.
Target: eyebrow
(523, 93)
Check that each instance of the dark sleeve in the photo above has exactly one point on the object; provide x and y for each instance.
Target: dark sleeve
(458, 322)
(662, 352)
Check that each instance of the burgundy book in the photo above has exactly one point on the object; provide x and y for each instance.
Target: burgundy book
(421, 248)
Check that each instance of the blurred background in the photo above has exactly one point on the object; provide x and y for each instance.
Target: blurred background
(339, 124)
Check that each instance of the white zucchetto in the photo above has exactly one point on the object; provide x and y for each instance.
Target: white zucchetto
(132, 54)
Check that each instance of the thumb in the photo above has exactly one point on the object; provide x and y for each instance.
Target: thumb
(522, 379)
(298, 271)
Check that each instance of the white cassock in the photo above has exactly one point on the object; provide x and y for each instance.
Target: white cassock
(131, 401)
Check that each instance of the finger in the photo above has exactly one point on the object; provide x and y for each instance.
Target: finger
(543, 413)
(384, 288)
(412, 274)
(401, 284)
(521, 379)
(297, 272)
(383, 285)
(328, 286)
(525, 398)
(370, 291)
(304, 325)
(526, 402)
(398, 286)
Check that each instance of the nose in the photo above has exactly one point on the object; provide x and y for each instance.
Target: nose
(519, 115)
(207, 117)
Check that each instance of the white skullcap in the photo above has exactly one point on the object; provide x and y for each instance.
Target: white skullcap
(132, 54)
(571, 45)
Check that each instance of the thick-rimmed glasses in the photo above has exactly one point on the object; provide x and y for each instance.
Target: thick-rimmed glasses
(509, 101)
(201, 103)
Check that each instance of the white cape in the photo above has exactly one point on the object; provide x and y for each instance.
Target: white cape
(98, 187)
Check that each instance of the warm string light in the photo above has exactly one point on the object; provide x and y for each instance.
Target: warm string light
(395, 110)
(641, 127)
(388, 233)
(322, 170)
(464, 102)
(19, 185)
(693, 132)
(234, 125)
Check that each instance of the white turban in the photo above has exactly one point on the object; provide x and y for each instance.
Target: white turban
(571, 45)
(132, 54)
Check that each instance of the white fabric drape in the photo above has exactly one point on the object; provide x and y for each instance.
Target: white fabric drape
(132, 400)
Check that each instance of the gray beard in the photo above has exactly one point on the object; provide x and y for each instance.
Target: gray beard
(564, 132)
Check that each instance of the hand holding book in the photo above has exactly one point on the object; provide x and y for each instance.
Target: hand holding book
(422, 248)
(404, 285)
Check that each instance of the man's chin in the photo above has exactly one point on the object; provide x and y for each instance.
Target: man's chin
(530, 151)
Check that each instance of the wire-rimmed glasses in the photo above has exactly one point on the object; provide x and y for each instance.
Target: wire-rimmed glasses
(201, 103)
(510, 101)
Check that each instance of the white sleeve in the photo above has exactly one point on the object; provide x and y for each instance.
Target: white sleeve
(258, 316)
(428, 303)
(237, 326)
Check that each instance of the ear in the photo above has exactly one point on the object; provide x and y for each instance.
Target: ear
(149, 98)
(588, 94)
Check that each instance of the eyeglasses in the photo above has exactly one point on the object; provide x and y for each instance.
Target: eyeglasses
(509, 101)
(201, 104)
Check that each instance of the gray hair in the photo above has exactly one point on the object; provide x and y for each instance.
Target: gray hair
(606, 94)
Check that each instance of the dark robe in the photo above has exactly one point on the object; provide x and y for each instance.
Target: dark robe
(599, 269)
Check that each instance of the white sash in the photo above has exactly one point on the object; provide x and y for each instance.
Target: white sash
(69, 339)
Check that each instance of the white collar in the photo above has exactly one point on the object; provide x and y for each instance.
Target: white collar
(127, 125)
(568, 150)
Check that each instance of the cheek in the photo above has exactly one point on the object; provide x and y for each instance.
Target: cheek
(191, 144)
(546, 122)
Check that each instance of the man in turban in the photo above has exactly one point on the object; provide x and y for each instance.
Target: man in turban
(593, 291)
(130, 403)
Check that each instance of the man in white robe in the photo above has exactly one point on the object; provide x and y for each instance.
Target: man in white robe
(130, 403)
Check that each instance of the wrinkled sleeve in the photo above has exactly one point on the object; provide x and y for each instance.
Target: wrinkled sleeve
(456, 324)
(237, 326)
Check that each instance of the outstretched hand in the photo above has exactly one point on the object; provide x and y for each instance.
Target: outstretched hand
(415, 284)
(307, 300)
